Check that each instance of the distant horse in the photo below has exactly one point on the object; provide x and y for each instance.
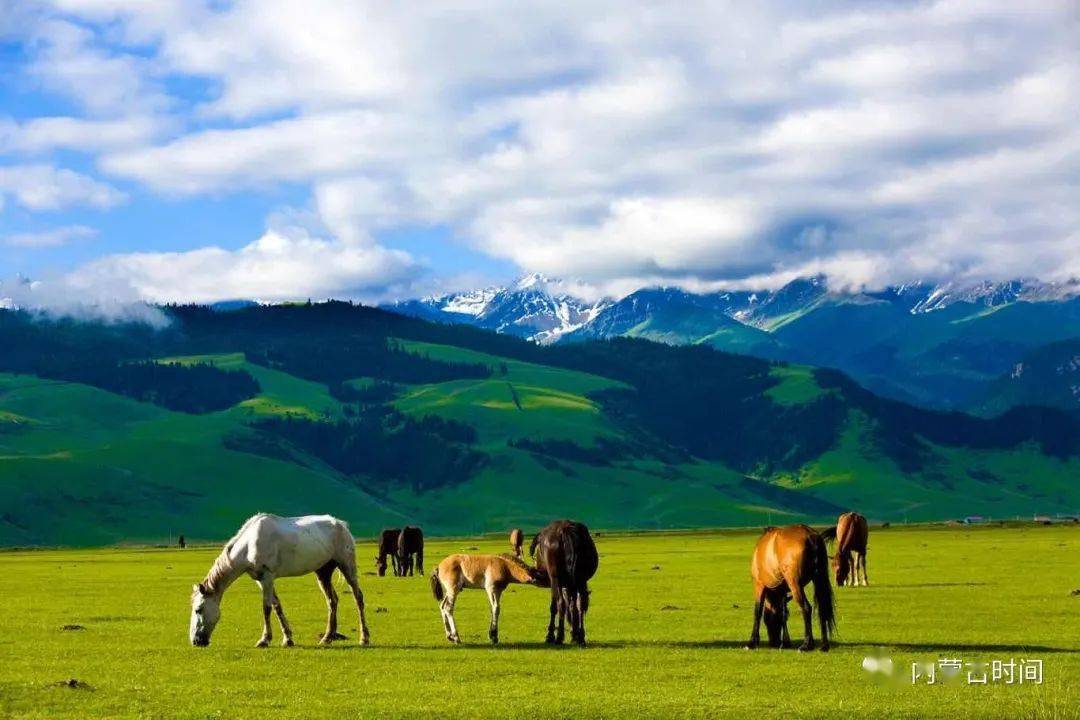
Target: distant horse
(517, 539)
(268, 547)
(410, 545)
(784, 561)
(566, 553)
(490, 572)
(852, 534)
(388, 542)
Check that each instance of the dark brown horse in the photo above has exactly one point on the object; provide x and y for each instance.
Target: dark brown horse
(388, 542)
(410, 546)
(517, 539)
(852, 534)
(566, 554)
(785, 560)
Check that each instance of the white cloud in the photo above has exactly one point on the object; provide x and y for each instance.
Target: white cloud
(49, 238)
(44, 134)
(44, 187)
(612, 142)
(283, 264)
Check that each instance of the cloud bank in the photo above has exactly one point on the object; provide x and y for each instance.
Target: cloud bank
(618, 144)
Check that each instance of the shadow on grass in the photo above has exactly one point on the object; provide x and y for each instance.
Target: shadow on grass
(695, 645)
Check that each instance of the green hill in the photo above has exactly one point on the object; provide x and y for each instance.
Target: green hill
(383, 419)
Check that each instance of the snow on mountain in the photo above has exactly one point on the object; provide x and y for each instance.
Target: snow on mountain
(545, 310)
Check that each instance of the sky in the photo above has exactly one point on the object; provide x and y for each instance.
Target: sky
(191, 151)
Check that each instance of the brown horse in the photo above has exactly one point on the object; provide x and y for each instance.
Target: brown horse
(784, 561)
(566, 553)
(388, 542)
(852, 534)
(410, 544)
(517, 539)
(490, 572)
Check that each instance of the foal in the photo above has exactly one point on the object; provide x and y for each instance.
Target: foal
(490, 572)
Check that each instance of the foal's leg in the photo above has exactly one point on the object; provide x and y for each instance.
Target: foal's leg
(266, 582)
(325, 576)
(286, 631)
(448, 615)
(759, 607)
(494, 593)
(799, 597)
(348, 570)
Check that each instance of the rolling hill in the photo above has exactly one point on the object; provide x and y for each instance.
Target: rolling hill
(384, 419)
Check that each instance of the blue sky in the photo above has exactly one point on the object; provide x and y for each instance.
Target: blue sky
(190, 151)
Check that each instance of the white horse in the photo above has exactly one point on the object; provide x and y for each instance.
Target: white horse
(268, 547)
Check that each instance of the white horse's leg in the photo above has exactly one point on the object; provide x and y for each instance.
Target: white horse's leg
(325, 577)
(286, 631)
(348, 570)
(494, 594)
(266, 582)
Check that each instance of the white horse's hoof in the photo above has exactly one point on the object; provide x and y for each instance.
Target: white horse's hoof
(287, 642)
(263, 643)
(365, 640)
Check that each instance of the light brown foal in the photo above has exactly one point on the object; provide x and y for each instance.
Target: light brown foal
(490, 572)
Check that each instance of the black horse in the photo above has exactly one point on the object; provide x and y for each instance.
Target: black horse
(388, 543)
(410, 544)
(566, 553)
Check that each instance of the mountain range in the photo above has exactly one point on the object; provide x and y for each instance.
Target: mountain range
(944, 345)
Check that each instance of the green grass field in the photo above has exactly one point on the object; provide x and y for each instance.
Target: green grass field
(669, 616)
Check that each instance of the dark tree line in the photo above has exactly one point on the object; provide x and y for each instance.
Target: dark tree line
(379, 443)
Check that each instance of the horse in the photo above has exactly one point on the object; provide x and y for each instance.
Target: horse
(517, 539)
(410, 544)
(851, 533)
(388, 542)
(268, 547)
(566, 553)
(785, 560)
(490, 572)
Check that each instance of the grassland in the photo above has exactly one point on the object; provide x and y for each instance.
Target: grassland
(670, 613)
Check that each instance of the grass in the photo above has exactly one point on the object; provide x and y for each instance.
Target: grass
(669, 615)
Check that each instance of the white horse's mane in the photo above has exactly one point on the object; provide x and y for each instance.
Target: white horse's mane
(223, 564)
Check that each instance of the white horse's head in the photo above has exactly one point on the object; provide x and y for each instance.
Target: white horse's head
(205, 613)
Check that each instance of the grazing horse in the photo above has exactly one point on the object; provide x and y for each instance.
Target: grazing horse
(490, 572)
(851, 533)
(268, 547)
(517, 539)
(566, 553)
(410, 544)
(784, 561)
(388, 542)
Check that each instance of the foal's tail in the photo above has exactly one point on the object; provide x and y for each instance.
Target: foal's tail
(532, 546)
(823, 594)
(828, 533)
(436, 584)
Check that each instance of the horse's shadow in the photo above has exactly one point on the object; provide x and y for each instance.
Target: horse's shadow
(911, 647)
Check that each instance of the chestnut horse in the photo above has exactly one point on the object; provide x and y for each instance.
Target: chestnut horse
(517, 539)
(410, 545)
(852, 534)
(388, 542)
(566, 553)
(785, 560)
